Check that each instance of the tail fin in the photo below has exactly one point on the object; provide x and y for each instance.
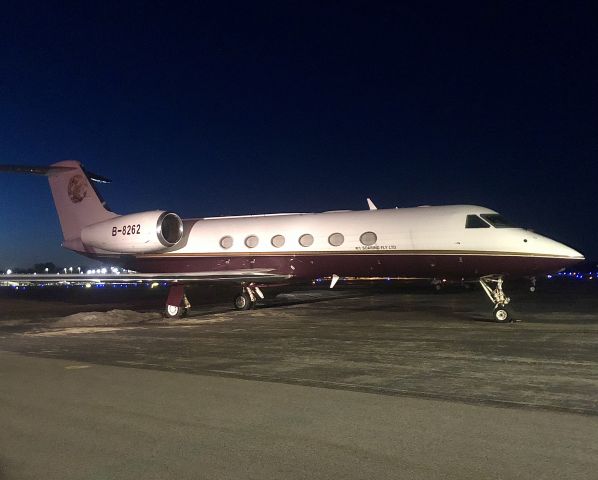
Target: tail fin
(77, 202)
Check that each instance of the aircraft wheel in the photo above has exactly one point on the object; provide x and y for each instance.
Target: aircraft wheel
(243, 302)
(172, 311)
(501, 314)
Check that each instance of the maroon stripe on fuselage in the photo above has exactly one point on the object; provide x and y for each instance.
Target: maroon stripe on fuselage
(450, 266)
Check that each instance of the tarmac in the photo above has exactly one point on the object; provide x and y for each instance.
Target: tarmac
(355, 383)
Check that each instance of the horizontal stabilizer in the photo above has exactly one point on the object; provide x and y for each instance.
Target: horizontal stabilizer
(49, 171)
(34, 170)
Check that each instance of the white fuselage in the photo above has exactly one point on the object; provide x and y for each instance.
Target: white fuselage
(430, 232)
(421, 229)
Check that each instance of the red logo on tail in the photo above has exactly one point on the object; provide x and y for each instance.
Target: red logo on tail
(77, 188)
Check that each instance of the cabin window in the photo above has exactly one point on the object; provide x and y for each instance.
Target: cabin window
(336, 239)
(368, 238)
(473, 221)
(277, 241)
(251, 241)
(306, 240)
(226, 242)
(496, 220)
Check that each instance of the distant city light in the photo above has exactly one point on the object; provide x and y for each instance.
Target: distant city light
(8, 272)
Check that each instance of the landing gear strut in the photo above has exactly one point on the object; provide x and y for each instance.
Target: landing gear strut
(497, 297)
(248, 297)
(532, 287)
(177, 304)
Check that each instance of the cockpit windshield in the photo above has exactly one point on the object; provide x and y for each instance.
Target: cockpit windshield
(497, 221)
(473, 221)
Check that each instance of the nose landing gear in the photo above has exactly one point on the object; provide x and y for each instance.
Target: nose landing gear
(492, 285)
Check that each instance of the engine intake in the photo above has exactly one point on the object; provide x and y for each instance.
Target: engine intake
(169, 228)
(144, 232)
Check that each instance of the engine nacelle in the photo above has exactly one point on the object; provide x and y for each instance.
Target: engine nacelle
(144, 232)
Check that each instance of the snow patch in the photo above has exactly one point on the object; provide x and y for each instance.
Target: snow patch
(73, 331)
(112, 317)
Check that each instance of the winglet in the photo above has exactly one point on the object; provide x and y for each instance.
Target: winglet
(371, 204)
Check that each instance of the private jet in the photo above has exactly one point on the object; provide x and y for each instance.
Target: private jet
(454, 242)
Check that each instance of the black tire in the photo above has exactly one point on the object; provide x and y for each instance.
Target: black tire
(501, 314)
(243, 302)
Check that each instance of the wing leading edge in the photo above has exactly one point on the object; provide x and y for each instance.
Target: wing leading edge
(231, 277)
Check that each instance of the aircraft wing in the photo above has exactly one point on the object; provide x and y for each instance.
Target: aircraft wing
(231, 276)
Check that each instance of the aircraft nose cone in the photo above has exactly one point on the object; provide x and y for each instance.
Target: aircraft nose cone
(566, 251)
(569, 255)
(549, 247)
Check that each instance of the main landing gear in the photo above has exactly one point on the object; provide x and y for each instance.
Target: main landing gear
(177, 304)
(248, 297)
(492, 285)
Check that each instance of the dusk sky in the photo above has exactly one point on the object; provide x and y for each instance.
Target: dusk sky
(227, 108)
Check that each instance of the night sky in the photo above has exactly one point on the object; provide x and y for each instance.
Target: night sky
(241, 108)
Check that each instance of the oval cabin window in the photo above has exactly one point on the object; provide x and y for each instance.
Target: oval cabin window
(368, 238)
(277, 241)
(226, 242)
(306, 240)
(336, 239)
(251, 241)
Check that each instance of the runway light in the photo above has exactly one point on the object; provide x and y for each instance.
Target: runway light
(88, 285)
(8, 272)
(154, 285)
(104, 271)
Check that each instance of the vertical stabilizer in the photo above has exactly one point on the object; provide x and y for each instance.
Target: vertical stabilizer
(76, 200)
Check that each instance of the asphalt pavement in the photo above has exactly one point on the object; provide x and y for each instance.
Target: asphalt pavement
(351, 384)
